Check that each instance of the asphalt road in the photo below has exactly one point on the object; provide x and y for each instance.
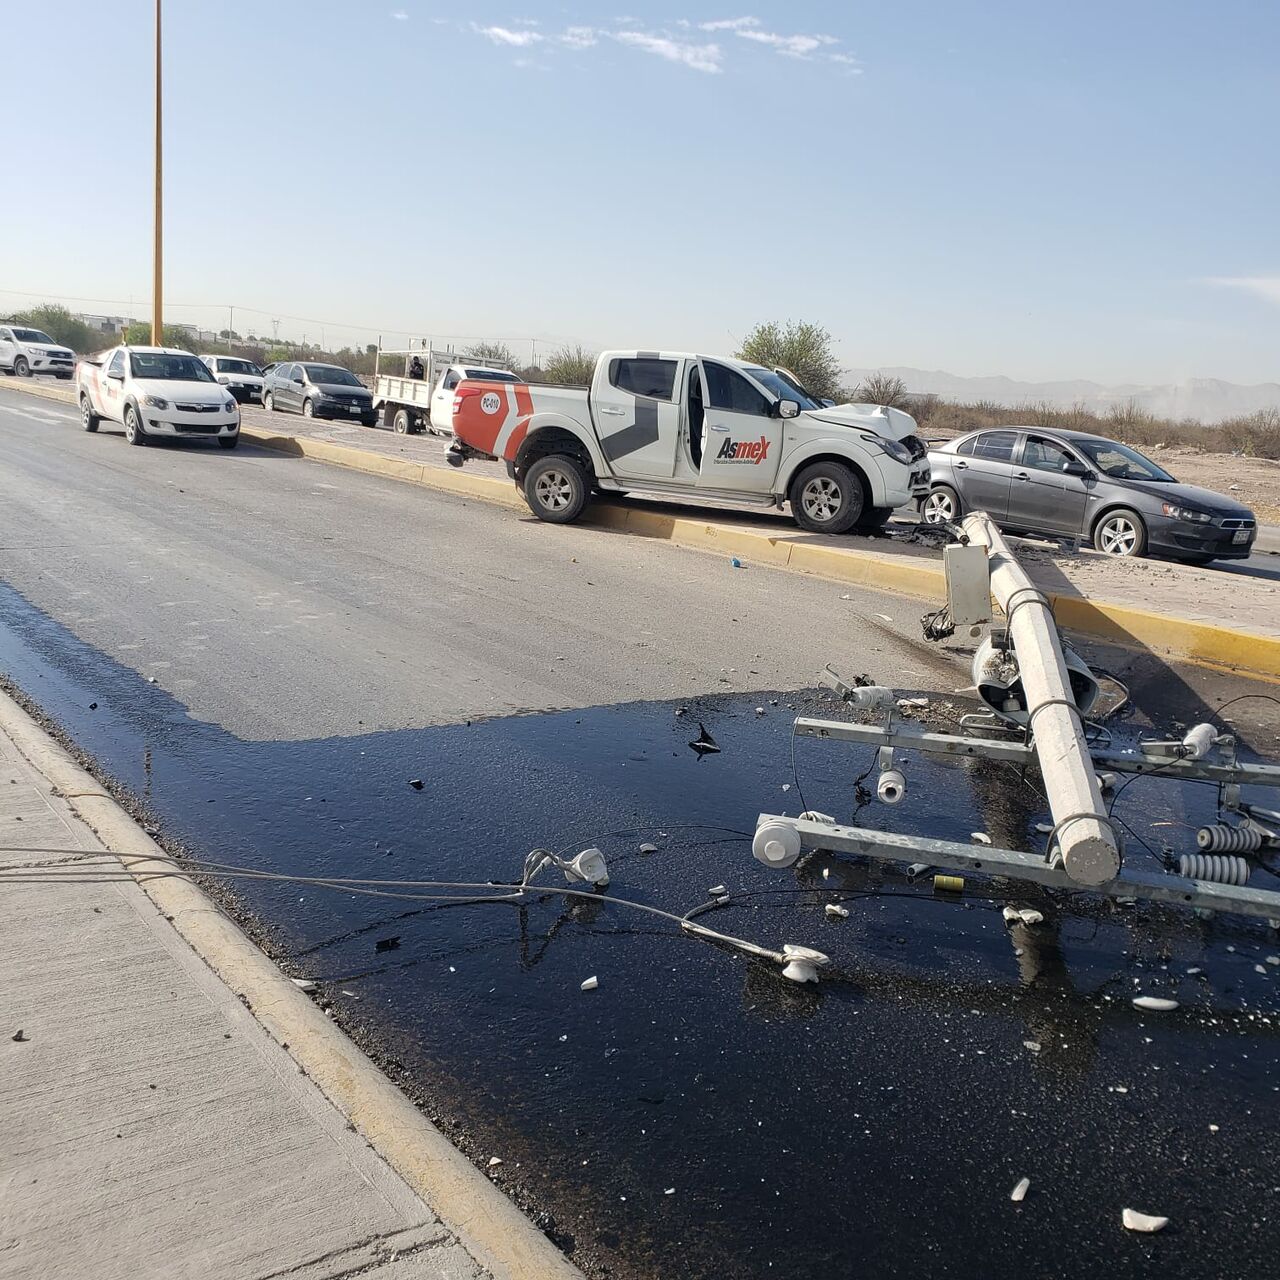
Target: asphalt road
(288, 599)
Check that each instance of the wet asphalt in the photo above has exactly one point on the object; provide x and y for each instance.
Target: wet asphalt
(696, 1115)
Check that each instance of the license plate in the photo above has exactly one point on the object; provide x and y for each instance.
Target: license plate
(1240, 536)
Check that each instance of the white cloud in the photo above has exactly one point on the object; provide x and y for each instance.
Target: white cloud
(1265, 287)
(792, 46)
(729, 24)
(700, 57)
(400, 16)
(578, 37)
(504, 35)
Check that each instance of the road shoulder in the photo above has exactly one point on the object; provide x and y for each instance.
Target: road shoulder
(175, 1104)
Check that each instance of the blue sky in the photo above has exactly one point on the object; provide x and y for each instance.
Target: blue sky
(1082, 190)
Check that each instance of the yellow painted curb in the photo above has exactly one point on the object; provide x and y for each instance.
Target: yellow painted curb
(1206, 643)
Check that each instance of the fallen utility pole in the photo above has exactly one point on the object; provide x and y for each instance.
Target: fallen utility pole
(1084, 833)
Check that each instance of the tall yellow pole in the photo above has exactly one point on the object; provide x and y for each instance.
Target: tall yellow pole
(157, 288)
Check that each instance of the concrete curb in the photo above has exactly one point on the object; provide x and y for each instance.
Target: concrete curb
(491, 1229)
(1204, 643)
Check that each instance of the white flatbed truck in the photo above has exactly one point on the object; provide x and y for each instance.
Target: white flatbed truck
(409, 405)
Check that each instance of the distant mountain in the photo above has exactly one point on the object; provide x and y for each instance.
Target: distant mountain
(1204, 399)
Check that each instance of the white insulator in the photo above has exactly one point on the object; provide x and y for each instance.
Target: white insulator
(1198, 741)
(891, 787)
(1218, 868)
(1221, 838)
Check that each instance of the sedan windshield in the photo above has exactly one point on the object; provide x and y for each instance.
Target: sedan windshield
(331, 375)
(33, 335)
(781, 387)
(161, 366)
(1120, 462)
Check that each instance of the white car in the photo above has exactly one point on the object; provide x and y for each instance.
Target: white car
(26, 351)
(241, 377)
(156, 391)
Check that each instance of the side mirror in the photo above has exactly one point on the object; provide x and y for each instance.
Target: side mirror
(1072, 467)
(787, 409)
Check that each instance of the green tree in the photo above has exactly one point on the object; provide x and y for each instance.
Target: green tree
(138, 334)
(571, 367)
(493, 351)
(882, 388)
(802, 348)
(62, 327)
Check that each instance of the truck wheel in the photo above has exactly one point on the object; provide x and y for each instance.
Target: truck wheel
(941, 506)
(556, 488)
(402, 423)
(88, 419)
(21, 369)
(826, 497)
(1120, 533)
(133, 432)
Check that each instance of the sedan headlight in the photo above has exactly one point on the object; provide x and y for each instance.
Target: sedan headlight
(230, 406)
(1175, 512)
(155, 402)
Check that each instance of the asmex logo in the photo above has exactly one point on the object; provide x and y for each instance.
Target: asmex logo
(744, 450)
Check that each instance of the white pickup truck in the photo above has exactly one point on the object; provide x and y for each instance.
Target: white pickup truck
(156, 391)
(666, 423)
(412, 404)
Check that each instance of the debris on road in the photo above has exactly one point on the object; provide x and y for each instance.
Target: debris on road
(979, 837)
(494, 1162)
(1150, 1223)
(387, 944)
(704, 744)
(1019, 1193)
(21, 1037)
(1157, 1004)
(648, 848)
(304, 984)
(417, 784)
(840, 913)
(590, 984)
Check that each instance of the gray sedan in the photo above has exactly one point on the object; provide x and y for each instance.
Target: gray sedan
(318, 391)
(1071, 484)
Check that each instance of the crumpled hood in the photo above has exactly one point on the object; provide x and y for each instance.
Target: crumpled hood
(1193, 496)
(892, 424)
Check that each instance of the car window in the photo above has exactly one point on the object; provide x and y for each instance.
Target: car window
(996, 446)
(1121, 462)
(1044, 455)
(165, 366)
(729, 390)
(451, 380)
(117, 363)
(331, 375)
(644, 376)
(492, 375)
(966, 446)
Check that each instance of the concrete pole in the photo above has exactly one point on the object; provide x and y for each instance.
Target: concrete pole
(1088, 844)
(157, 268)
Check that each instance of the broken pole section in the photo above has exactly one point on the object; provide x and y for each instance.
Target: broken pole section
(1084, 834)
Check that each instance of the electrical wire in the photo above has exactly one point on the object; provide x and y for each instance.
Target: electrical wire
(1244, 697)
(795, 776)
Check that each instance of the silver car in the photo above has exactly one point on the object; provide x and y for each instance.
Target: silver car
(1072, 484)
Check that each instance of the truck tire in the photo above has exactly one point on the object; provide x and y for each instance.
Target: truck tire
(826, 497)
(556, 487)
(21, 369)
(88, 419)
(402, 423)
(133, 432)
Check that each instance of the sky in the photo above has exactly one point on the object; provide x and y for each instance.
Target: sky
(1037, 190)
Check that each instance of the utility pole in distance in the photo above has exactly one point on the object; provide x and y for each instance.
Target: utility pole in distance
(157, 267)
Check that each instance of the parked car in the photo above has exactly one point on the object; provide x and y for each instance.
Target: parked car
(241, 377)
(26, 351)
(318, 391)
(155, 391)
(1070, 483)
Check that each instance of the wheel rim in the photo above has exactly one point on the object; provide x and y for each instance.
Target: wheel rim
(269, 403)
(822, 499)
(307, 410)
(402, 424)
(938, 508)
(21, 368)
(1118, 537)
(554, 490)
(86, 414)
(130, 426)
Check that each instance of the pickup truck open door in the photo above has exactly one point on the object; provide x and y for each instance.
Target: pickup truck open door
(741, 439)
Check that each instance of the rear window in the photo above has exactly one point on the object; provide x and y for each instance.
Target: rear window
(492, 375)
(644, 376)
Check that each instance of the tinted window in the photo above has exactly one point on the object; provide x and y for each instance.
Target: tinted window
(966, 446)
(644, 376)
(289, 372)
(331, 375)
(237, 366)
(729, 390)
(160, 366)
(996, 446)
(1044, 455)
(1122, 463)
(492, 375)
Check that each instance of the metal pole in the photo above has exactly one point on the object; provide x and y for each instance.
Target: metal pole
(157, 268)
(1088, 844)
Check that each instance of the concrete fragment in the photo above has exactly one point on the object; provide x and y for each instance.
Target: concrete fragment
(840, 913)
(1157, 1004)
(1150, 1223)
(591, 983)
(1019, 1193)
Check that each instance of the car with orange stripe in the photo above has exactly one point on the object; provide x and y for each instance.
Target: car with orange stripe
(676, 424)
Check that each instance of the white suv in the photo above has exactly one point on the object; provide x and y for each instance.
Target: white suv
(241, 377)
(26, 351)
